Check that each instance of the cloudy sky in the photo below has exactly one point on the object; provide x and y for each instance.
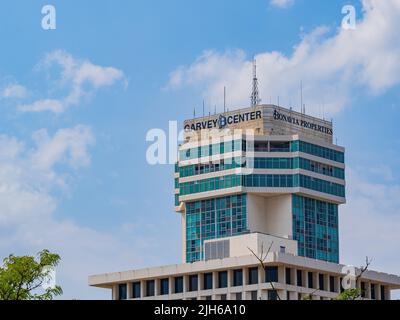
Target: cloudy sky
(78, 101)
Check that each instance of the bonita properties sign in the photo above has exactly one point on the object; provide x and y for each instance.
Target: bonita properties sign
(301, 122)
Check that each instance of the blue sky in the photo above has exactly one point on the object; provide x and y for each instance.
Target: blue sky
(78, 101)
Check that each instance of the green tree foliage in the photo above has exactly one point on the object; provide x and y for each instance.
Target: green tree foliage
(349, 294)
(21, 277)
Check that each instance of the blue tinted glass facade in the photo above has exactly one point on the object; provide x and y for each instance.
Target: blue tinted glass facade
(262, 163)
(317, 151)
(212, 149)
(213, 219)
(315, 227)
(262, 181)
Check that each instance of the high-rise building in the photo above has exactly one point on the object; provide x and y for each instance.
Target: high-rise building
(261, 183)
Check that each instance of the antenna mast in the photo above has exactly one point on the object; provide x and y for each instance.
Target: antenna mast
(255, 99)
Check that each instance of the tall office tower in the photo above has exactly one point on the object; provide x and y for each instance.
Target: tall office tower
(284, 178)
(261, 183)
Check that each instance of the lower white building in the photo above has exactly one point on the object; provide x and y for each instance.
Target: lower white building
(239, 275)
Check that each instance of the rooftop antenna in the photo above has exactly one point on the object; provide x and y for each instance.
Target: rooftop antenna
(255, 98)
(194, 112)
(215, 110)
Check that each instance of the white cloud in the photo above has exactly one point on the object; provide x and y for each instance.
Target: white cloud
(27, 175)
(370, 223)
(282, 3)
(81, 77)
(14, 91)
(330, 66)
(52, 105)
(68, 145)
(34, 176)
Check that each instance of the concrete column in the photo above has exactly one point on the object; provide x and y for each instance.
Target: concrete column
(200, 279)
(156, 287)
(337, 284)
(230, 278)
(368, 290)
(293, 276)
(261, 275)
(378, 292)
(129, 293)
(185, 283)
(115, 292)
(304, 278)
(326, 282)
(245, 276)
(170, 285)
(281, 274)
(315, 280)
(388, 294)
(215, 280)
(142, 289)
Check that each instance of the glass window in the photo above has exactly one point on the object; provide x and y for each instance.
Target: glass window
(253, 275)
(271, 274)
(253, 295)
(288, 272)
(223, 279)
(193, 282)
(122, 291)
(272, 295)
(310, 280)
(321, 282)
(373, 296)
(238, 296)
(299, 278)
(208, 281)
(150, 285)
(178, 284)
(136, 290)
(238, 278)
(332, 284)
(164, 286)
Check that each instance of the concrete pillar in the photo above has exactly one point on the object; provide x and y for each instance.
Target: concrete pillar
(378, 292)
(230, 278)
(315, 280)
(156, 287)
(129, 291)
(368, 290)
(170, 285)
(337, 284)
(281, 275)
(200, 279)
(185, 283)
(304, 278)
(293, 276)
(261, 275)
(142, 289)
(115, 292)
(326, 282)
(388, 294)
(245, 276)
(215, 280)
